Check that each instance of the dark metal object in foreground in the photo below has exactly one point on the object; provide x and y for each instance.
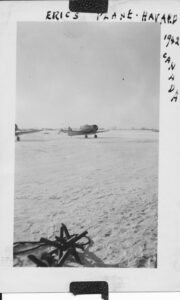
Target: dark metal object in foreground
(62, 247)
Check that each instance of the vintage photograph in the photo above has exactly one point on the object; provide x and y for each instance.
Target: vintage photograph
(86, 144)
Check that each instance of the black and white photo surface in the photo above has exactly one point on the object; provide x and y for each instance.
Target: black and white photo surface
(86, 144)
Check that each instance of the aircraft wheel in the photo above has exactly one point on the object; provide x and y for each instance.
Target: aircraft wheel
(86, 136)
(18, 138)
(95, 136)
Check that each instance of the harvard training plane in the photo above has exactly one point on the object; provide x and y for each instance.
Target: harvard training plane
(19, 132)
(84, 130)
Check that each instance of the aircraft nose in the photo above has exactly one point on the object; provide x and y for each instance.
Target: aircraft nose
(95, 127)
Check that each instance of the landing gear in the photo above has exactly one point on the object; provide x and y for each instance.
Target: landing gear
(86, 136)
(95, 136)
(18, 138)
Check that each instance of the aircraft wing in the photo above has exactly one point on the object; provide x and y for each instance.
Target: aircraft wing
(76, 132)
(63, 130)
(82, 132)
(103, 130)
(20, 132)
(71, 132)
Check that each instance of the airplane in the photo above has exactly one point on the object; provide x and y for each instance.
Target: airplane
(19, 132)
(84, 130)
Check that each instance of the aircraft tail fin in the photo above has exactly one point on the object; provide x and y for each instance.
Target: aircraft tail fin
(16, 127)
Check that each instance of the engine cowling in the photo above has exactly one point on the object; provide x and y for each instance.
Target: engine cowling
(95, 127)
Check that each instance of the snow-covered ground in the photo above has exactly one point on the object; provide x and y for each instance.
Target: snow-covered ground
(107, 186)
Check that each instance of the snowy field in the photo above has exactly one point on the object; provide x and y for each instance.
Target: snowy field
(107, 186)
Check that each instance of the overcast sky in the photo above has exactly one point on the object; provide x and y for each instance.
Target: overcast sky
(88, 73)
